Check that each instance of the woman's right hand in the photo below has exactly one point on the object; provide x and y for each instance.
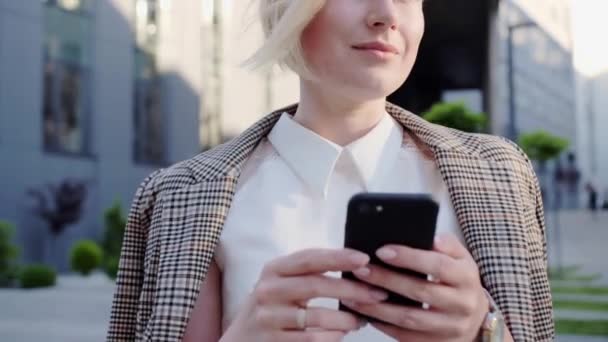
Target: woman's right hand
(277, 309)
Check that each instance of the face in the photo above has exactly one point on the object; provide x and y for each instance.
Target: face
(364, 48)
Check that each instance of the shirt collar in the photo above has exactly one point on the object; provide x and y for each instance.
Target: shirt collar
(313, 158)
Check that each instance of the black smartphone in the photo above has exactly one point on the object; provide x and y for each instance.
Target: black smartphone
(377, 219)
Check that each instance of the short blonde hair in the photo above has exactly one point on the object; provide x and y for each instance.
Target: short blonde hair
(283, 22)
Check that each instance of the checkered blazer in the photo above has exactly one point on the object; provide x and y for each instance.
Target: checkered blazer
(178, 213)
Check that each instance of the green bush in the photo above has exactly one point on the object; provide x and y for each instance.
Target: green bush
(8, 255)
(456, 115)
(115, 222)
(111, 267)
(85, 256)
(33, 276)
(542, 146)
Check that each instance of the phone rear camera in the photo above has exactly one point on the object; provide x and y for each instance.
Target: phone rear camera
(364, 209)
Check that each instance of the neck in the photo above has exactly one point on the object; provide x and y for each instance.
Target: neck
(335, 117)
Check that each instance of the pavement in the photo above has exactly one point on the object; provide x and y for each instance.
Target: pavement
(581, 298)
(564, 338)
(580, 241)
(77, 309)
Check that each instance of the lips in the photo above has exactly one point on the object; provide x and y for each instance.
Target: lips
(377, 46)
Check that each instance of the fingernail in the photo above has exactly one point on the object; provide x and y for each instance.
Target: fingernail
(362, 272)
(379, 295)
(359, 258)
(386, 253)
(349, 303)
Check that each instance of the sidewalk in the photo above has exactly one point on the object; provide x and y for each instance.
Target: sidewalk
(583, 243)
(580, 339)
(76, 310)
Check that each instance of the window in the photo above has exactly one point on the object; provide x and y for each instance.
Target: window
(66, 76)
(149, 119)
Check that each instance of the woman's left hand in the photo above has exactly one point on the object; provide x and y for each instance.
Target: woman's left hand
(457, 301)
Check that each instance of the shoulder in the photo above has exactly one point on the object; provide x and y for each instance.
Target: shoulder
(162, 181)
(491, 147)
(500, 152)
(211, 164)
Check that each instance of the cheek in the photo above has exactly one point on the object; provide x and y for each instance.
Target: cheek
(419, 31)
(413, 37)
(313, 40)
(419, 28)
(310, 39)
(322, 39)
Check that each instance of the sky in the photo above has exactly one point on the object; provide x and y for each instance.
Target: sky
(590, 35)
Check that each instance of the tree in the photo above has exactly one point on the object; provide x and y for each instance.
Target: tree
(542, 146)
(456, 115)
(59, 205)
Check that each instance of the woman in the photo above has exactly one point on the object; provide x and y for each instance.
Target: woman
(243, 242)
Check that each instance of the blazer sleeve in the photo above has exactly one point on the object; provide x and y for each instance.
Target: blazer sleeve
(544, 325)
(129, 281)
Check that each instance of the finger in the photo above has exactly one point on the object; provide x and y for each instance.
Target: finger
(303, 288)
(440, 266)
(330, 319)
(448, 244)
(317, 261)
(285, 317)
(437, 295)
(307, 336)
(401, 334)
(409, 318)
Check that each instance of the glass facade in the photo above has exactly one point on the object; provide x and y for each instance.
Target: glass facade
(66, 76)
(149, 118)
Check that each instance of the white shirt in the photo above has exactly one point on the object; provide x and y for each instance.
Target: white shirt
(293, 195)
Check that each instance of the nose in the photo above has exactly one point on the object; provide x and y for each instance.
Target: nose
(382, 15)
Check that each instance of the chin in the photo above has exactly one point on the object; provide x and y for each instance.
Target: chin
(372, 88)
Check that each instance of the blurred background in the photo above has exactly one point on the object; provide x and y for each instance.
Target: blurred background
(97, 94)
